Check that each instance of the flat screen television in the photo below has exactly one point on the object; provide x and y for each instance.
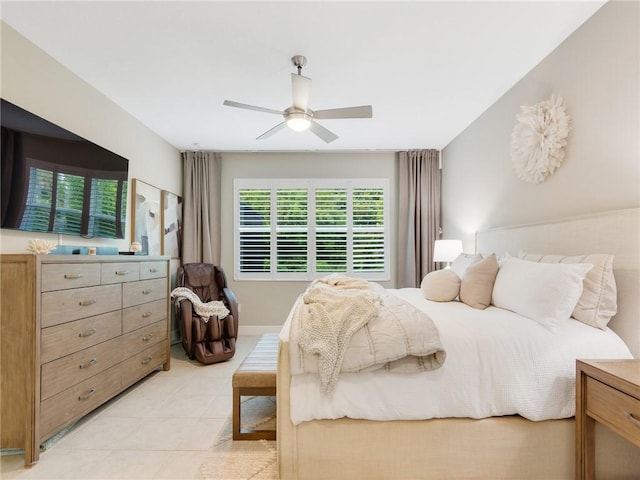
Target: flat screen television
(55, 181)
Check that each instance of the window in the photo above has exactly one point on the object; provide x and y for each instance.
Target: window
(300, 229)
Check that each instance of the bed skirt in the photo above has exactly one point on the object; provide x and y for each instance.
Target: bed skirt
(493, 448)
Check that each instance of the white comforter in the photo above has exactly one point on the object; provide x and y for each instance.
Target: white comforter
(498, 363)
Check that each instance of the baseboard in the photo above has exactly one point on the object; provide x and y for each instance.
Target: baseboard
(258, 329)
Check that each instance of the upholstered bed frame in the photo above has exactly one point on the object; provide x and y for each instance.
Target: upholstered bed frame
(615, 232)
(492, 448)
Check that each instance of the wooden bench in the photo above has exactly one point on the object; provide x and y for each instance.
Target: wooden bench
(256, 376)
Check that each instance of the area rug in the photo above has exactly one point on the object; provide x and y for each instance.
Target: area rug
(245, 459)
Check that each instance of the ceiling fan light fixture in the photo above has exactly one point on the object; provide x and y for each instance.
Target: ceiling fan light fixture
(299, 117)
(298, 121)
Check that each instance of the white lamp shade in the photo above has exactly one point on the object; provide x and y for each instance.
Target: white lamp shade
(446, 250)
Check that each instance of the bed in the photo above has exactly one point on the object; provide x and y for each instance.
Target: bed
(491, 447)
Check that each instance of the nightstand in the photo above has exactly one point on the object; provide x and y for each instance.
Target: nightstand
(607, 392)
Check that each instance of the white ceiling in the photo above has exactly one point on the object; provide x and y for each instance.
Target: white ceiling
(428, 68)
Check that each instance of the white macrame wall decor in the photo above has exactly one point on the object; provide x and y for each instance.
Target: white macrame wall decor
(538, 139)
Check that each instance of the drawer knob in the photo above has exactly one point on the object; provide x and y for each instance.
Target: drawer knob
(153, 270)
(88, 364)
(146, 360)
(146, 314)
(73, 276)
(122, 272)
(87, 395)
(86, 303)
(630, 416)
(147, 291)
(146, 338)
(87, 333)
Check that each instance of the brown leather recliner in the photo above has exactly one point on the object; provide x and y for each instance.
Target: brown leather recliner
(215, 340)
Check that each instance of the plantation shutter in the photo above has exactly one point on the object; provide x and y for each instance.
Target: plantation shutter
(368, 230)
(255, 229)
(300, 229)
(291, 230)
(331, 230)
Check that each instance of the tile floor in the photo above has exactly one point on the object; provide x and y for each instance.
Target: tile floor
(160, 428)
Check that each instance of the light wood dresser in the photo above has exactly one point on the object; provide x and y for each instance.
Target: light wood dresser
(607, 392)
(75, 331)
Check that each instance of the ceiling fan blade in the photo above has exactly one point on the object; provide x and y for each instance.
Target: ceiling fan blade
(272, 131)
(363, 111)
(327, 135)
(300, 87)
(230, 103)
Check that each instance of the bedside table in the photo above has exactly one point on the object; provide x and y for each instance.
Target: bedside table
(607, 392)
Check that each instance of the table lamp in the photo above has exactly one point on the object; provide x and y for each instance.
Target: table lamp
(447, 251)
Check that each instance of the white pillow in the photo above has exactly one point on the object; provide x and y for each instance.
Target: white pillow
(462, 262)
(544, 292)
(598, 302)
(440, 285)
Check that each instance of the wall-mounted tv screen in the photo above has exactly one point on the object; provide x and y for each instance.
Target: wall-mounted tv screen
(55, 181)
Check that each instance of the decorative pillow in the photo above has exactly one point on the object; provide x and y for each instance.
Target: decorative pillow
(544, 292)
(441, 285)
(598, 302)
(477, 282)
(462, 262)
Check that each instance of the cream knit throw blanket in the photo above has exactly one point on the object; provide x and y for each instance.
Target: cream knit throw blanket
(342, 325)
(214, 308)
(335, 308)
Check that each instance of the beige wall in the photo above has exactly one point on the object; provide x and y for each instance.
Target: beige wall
(36, 82)
(596, 70)
(267, 303)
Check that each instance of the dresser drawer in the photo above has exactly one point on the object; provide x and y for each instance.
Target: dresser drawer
(67, 305)
(71, 337)
(140, 315)
(144, 291)
(143, 338)
(153, 270)
(62, 276)
(70, 404)
(119, 272)
(621, 412)
(136, 367)
(77, 367)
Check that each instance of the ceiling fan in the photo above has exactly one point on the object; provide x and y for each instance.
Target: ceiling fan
(299, 116)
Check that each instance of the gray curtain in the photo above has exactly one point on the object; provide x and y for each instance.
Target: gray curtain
(201, 207)
(419, 185)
